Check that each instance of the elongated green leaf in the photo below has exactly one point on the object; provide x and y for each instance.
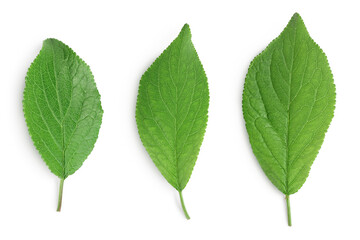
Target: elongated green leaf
(62, 109)
(171, 110)
(288, 104)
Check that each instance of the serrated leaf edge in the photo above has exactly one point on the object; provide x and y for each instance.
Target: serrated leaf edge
(207, 85)
(328, 65)
(23, 103)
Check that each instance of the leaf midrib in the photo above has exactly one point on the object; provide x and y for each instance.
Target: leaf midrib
(62, 115)
(61, 111)
(181, 43)
(288, 110)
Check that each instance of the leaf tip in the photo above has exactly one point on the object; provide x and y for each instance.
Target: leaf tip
(296, 14)
(185, 29)
(296, 22)
(187, 26)
(50, 41)
(296, 17)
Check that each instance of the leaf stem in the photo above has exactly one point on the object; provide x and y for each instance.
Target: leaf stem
(288, 209)
(183, 206)
(60, 195)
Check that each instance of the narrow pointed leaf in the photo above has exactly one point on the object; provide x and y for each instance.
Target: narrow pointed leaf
(288, 104)
(62, 108)
(172, 108)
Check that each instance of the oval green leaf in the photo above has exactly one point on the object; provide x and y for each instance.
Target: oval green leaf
(288, 104)
(172, 110)
(62, 109)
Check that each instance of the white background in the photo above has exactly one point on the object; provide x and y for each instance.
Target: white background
(118, 193)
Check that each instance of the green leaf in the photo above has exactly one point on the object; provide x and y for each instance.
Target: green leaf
(62, 109)
(288, 104)
(171, 110)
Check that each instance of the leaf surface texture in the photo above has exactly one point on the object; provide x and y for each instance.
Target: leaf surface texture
(172, 108)
(62, 108)
(288, 104)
